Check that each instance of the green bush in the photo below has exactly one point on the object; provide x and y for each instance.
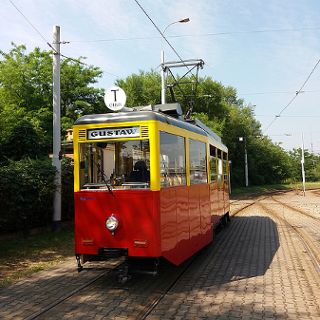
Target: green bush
(67, 205)
(26, 189)
(26, 194)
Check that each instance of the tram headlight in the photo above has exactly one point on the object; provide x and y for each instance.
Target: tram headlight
(112, 223)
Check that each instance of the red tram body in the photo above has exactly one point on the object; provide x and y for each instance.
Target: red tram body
(171, 212)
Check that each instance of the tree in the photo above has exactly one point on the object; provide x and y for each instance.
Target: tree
(311, 165)
(220, 109)
(26, 90)
(141, 89)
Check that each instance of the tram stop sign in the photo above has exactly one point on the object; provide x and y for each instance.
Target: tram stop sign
(115, 98)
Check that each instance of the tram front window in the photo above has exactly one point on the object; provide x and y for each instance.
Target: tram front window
(120, 165)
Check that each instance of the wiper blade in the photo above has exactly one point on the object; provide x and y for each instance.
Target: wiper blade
(103, 176)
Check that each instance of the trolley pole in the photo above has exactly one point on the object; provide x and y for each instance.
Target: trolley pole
(56, 158)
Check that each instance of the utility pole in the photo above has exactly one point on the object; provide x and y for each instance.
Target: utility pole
(246, 170)
(56, 158)
(246, 163)
(302, 168)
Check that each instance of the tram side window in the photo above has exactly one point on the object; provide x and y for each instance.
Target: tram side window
(213, 163)
(220, 167)
(198, 167)
(172, 160)
(225, 167)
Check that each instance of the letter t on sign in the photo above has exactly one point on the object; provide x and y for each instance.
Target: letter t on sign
(115, 94)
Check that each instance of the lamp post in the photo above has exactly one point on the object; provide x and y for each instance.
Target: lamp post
(246, 171)
(163, 80)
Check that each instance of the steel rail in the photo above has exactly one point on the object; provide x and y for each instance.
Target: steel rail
(68, 295)
(304, 237)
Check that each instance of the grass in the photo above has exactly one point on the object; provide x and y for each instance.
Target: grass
(22, 257)
(243, 191)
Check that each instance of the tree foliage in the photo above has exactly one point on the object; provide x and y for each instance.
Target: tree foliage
(26, 188)
(26, 172)
(311, 165)
(26, 113)
(26, 93)
(141, 89)
(220, 109)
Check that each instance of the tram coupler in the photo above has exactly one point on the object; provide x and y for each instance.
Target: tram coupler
(80, 267)
(123, 273)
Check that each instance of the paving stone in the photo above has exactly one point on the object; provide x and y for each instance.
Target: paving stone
(257, 268)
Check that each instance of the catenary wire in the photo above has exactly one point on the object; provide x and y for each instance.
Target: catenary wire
(33, 26)
(294, 97)
(48, 43)
(162, 35)
(194, 35)
(274, 92)
(289, 116)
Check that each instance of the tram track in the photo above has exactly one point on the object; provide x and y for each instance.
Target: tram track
(65, 297)
(44, 310)
(156, 300)
(158, 287)
(308, 242)
(315, 191)
(299, 211)
(256, 197)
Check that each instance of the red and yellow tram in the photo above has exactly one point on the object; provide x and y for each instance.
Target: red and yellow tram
(147, 184)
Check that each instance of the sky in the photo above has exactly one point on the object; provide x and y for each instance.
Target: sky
(264, 49)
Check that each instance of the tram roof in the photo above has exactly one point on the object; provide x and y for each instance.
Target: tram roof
(131, 116)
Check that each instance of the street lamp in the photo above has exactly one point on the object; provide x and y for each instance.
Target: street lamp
(179, 21)
(163, 88)
(243, 139)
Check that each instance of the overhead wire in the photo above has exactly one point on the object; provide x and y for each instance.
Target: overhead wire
(161, 33)
(294, 97)
(194, 35)
(48, 43)
(274, 92)
(288, 116)
(33, 26)
(175, 51)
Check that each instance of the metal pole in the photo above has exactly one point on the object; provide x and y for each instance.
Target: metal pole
(302, 168)
(163, 80)
(163, 76)
(229, 176)
(56, 159)
(246, 162)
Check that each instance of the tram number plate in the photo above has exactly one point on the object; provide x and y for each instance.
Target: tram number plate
(108, 133)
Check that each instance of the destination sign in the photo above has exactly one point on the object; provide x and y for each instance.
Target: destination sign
(110, 133)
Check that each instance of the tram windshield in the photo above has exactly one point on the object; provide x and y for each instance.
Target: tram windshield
(120, 164)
